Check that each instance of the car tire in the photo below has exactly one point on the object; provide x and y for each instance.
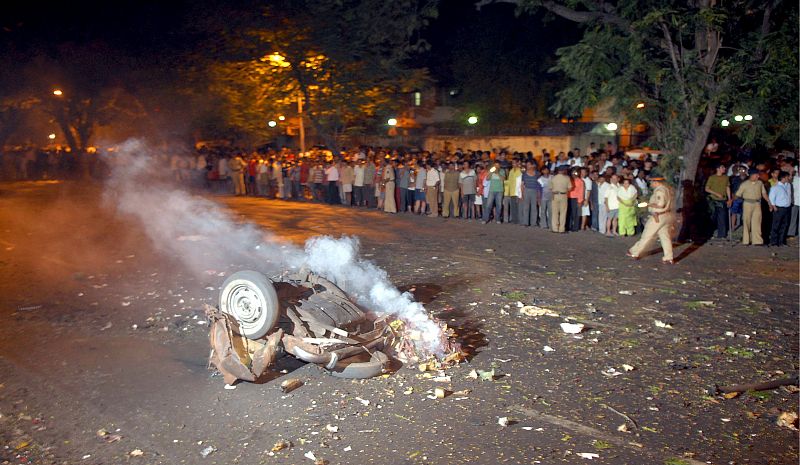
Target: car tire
(250, 298)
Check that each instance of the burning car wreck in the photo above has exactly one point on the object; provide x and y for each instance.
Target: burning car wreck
(302, 314)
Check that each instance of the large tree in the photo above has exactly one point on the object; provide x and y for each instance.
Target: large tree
(346, 59)
(692, 63)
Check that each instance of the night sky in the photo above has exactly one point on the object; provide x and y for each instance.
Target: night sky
(157, 31)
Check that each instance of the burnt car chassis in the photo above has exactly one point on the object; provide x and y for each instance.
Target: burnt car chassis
(302, 314)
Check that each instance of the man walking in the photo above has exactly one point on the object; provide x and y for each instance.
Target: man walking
(659, 225)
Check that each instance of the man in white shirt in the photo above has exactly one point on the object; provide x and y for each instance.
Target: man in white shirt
(358, 181)
(611, 203)
(432, 181)
(793, 222)
(586, 209)
(332, 175)
(602, 211)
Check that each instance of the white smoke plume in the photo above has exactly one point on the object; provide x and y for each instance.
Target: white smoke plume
(205, 236)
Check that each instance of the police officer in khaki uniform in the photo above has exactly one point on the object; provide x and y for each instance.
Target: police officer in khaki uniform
(752, 191)
(660, 222)
(237, 166)
(560, 185)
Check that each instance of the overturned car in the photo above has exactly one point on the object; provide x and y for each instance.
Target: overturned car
(302, 314)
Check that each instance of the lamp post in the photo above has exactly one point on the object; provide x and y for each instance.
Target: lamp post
(301, 124)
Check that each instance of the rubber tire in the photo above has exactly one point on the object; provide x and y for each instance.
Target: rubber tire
(267, 298)
(361, 370)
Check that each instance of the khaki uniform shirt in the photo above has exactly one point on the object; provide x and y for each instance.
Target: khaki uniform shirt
(560, 184)
(661, 200)
(751, 190)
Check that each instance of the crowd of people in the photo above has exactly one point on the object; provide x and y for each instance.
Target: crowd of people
(600, 189)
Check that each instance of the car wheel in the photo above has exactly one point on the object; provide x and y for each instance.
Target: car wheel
(250, 298)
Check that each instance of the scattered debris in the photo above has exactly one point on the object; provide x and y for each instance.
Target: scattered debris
(787, 420)
(364, 402)
(791, 381)
(588, 455)
(661, 324)
(626, 292)
(439, 393)
(332, 428)
(572, 328)
(280, 445)
(208, 451)
(534, 310)
(290, 385)
(502, 421)
(627, 367)
(548, 349)
(136, 453)
(230, 387)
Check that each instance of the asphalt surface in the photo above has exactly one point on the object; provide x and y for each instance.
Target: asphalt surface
(103, 349)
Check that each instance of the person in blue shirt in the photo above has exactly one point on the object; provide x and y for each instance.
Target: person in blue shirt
(780, 198)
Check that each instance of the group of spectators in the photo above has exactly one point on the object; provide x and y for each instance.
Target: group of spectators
(756, 198)
(599, 189)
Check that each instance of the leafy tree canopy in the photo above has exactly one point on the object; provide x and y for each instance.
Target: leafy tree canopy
(691, 62)
(347, 61)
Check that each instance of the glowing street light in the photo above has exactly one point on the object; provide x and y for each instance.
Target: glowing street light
(278, 60)
(281, 118)
(392, 122)
(611, 126)
(640, 105)
(472, 119)
(58, 93)
(725, 123)
(748, 117)
(272, 124)
(51, 136)
(738, 118)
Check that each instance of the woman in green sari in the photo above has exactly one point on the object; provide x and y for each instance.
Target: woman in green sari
(626, 194)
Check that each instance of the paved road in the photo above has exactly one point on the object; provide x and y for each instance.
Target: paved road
(75, 278)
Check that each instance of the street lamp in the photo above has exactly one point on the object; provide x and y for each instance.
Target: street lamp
(281, 118)
(58, 93)
(738, 118)
(51, 136)
(272, 124)
(640, 105)
(611, 126)
(392, 122)
(725, 123)
(472, 119)
(748, 117)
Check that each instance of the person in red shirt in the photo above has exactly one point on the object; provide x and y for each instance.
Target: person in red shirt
(576, 198)
(252, 174)
(304, 182)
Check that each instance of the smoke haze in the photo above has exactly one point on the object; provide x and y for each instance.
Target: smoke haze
(205, 236)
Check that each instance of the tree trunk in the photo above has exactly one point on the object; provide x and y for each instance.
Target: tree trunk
(692, 151)
(696, 142)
